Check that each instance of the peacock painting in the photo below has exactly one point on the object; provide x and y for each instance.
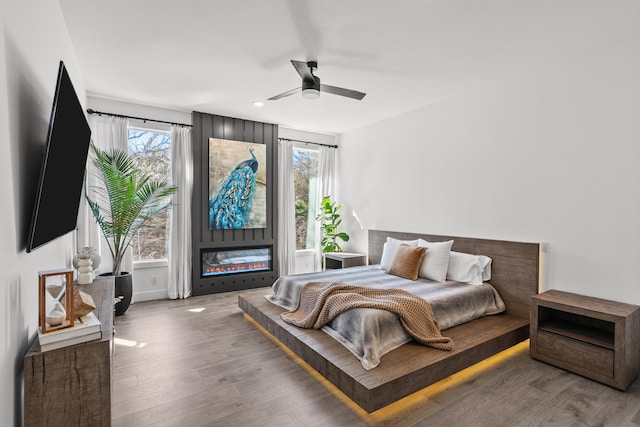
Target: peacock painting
(237, 189)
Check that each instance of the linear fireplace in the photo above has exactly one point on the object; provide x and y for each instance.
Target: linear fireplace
(218, 262)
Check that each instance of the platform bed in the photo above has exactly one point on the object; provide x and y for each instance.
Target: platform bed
(412, 367)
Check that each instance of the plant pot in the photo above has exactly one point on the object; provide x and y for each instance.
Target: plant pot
(124, 290)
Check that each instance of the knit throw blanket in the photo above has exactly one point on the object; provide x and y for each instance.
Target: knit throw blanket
(321, 302)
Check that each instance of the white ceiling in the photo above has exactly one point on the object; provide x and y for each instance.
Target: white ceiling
(219, 56)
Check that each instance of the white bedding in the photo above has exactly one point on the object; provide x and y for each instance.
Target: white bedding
(371, 333)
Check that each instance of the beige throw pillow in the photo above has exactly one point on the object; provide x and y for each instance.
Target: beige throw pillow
(406, 262)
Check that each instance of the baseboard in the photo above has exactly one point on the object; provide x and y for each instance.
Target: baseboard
(150, 295)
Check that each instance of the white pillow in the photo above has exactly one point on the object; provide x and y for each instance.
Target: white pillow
(467, 268)
(486, 269)
(436, 260)
(390, 248)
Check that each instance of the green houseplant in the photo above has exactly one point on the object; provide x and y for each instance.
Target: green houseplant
(329, 222)
(123, 201)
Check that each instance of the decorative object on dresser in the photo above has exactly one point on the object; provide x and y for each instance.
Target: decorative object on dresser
(86, 261)
(344, 260)
(596, 338)
(123, 201)
(83, 304)
(86, 328)
(71, 385)
(55, 299)
(56, 332)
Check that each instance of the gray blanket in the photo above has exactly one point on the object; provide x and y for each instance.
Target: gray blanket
(370, 333)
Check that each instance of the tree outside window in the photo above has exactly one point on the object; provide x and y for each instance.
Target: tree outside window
(151, 151)
(305, 182)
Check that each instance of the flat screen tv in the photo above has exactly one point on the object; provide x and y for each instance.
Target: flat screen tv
(57, 201)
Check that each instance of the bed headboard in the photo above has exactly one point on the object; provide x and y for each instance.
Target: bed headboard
(515, 266)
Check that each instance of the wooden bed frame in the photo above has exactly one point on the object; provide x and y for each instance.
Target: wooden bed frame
(411, 367)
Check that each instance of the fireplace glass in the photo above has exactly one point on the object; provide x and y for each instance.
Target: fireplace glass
(217, 262)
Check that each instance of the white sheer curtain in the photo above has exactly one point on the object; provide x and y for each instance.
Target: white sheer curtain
(180, 261)
(286, 209)
(106, 132)
(326, 187)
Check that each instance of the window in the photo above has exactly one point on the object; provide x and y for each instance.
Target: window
(151, 152)
(305, 182)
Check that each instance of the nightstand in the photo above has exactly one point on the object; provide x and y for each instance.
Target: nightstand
(333, 260)
(598, 339)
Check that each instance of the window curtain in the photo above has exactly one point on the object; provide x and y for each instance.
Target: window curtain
(286, 209)
(106, 133)
(326, 187)
(180, 214)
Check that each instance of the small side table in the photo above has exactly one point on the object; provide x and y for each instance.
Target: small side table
(334, 260)
(592, 337)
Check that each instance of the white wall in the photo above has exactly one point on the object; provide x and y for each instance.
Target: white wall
(33, 39)
(551, 156)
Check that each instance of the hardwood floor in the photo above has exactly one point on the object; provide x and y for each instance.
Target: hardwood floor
(201, 362)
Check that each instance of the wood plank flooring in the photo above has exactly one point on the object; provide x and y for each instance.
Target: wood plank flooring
(201, 362)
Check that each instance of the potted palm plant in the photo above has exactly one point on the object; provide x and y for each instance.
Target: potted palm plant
(122, 201)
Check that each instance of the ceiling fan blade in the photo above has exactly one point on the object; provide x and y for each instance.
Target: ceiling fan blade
(342, 92)
(303, 69)
(287, 93)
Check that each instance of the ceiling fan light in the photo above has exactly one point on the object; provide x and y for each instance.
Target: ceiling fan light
(311, 88)
(310, 93)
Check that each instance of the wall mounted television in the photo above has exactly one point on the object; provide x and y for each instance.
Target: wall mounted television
(55, 212)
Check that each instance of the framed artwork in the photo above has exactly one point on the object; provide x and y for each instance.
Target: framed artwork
(237, 184)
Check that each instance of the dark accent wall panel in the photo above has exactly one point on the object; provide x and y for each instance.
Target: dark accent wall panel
(207, 126)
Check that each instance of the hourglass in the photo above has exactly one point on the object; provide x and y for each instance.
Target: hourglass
(55, 299)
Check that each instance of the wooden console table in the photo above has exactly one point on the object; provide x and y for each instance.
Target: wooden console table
(71, 386)
(598, 339)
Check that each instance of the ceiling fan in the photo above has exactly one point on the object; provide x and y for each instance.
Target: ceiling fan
(311, 86)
